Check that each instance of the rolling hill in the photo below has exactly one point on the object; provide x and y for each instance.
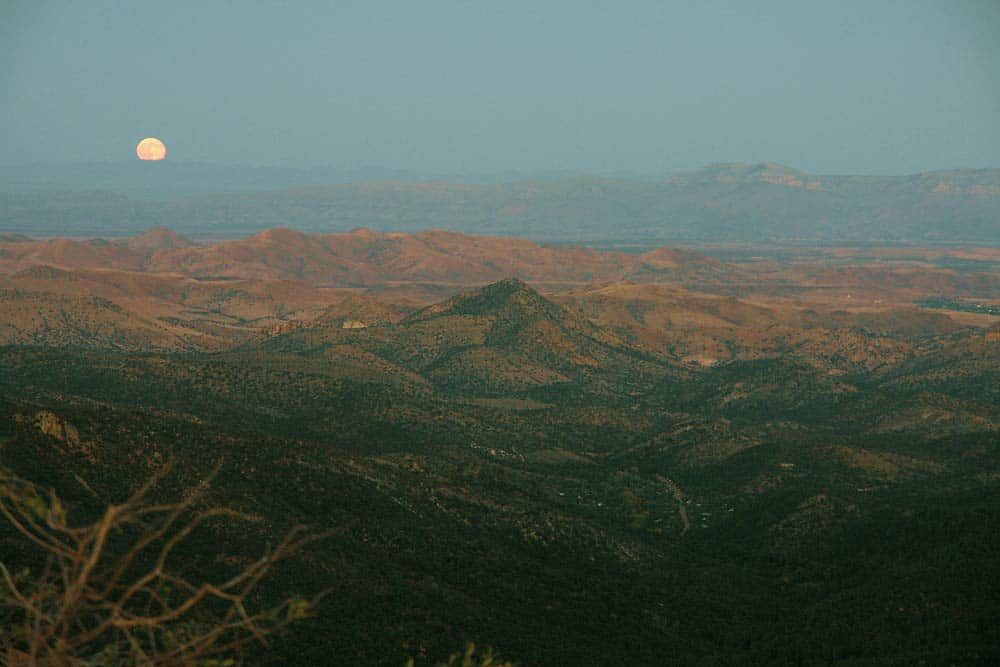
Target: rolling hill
(363, 258)
(501, 340)
(500, 468)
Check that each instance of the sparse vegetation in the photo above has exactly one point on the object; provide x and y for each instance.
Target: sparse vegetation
(554, 477)
(962, 305)
(108, 591)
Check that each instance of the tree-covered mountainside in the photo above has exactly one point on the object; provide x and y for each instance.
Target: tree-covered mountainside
(727, 202)
(505, 468)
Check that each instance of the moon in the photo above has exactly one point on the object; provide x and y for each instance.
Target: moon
(151, 148)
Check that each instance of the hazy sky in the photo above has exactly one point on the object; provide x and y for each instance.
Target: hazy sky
(832, 86)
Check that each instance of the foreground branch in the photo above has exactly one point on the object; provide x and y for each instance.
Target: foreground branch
(107, 593)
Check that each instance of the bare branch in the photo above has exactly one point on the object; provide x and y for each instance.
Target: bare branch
(94, 593)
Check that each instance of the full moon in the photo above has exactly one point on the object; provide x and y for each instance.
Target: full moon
(151, 148)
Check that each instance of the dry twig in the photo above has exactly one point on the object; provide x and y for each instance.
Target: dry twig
(93, 603)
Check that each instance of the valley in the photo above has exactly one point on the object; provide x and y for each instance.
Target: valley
(499, 334)
(576, 456)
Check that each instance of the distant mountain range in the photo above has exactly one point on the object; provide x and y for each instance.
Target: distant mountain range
(766, 203)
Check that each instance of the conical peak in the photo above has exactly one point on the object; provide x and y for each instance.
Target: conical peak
(490, 299)
(508, 286)
(498, 294)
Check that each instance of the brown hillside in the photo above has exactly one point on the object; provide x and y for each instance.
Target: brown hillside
(158, 238)
(54, 320)
(363, 257)
(701, 328)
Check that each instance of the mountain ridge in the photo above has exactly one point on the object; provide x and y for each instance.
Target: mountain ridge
(359, 257)
(760, 202)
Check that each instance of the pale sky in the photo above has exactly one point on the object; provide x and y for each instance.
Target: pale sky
(874, 86)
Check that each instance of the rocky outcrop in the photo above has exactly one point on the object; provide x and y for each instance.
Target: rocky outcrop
(52, 425)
